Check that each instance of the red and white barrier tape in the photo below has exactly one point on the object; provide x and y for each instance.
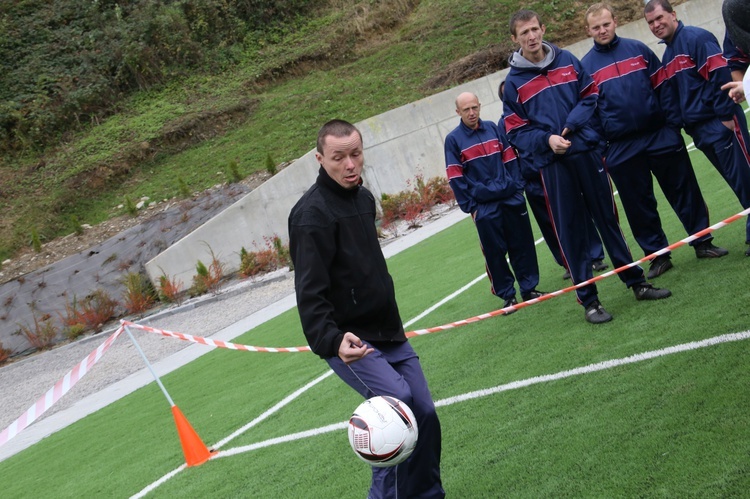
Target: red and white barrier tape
(69, 380)
(213, 343)
(62, 387)
(599, 277)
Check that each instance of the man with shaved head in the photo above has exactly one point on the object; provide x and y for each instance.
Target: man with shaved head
(483, 173)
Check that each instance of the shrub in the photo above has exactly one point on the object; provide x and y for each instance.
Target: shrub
(270, 165)
(274, 256)
(139, 294)
(4, 354)
(234, 169)
(77, 227)
(41, 335)
(409, 204)
(184, 190)
(396, 206)
(130, 207)
(74, 331)
(208, 279)
(36, 242)
(96, 309)
(170, 289)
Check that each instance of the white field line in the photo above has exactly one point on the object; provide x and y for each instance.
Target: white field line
(591, 368)
(309, 433)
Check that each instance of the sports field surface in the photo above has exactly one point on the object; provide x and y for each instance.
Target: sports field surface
(535, 404)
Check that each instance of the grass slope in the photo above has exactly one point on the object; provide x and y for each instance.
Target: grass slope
(194, 128)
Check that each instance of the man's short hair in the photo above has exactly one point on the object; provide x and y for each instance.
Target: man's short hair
(522, 16)
(653, 4)
(336, 128)
(597, 8)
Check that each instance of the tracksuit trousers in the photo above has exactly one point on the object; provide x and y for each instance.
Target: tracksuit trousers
(504, 228)
(728, 151)
(393, 369)
(676, 177)
(574, 185)
(538, 204)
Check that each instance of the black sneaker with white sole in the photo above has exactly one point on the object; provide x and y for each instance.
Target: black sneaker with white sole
(595, 313)
(646, 291)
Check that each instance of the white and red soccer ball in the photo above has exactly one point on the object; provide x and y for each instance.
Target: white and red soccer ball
(383, 431)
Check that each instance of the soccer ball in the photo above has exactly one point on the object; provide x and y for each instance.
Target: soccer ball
(383, 431)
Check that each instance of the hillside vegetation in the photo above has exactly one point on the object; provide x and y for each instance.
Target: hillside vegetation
(105, 101)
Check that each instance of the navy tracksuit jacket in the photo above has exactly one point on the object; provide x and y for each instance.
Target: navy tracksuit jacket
(640, 142)
(483, 172)
(694, 71)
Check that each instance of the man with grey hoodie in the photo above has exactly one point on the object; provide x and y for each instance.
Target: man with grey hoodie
(550, 103)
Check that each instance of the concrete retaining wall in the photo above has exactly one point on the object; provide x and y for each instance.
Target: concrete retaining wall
(399, 145)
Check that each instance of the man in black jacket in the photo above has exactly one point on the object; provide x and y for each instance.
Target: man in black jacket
(347, 304)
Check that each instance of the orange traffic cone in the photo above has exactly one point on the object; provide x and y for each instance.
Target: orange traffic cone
(195, 450)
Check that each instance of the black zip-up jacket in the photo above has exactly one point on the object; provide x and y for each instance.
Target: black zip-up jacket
(340, 275)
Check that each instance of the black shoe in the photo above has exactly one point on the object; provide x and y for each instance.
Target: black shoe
(596, 314)
(532, 294)
(706, 249)
(599, 265)
(747, 251)
(646, 291)
(508, 303)
(659, 265)
(566, 275)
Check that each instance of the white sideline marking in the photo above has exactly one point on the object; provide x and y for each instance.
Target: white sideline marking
(599, 366)
(591, 368)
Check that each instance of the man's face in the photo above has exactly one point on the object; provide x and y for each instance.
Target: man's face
(601, 26)
(467, 107)
(529, 35)
(343, 159)
(662, 24)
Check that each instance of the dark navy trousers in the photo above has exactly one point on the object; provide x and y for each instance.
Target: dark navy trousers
(394, 369)
(676, 177)
(538, 204)
(575, 185)
(504, 228)
(728, 152)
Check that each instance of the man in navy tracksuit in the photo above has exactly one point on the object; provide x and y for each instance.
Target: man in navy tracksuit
(532, 186)
(640, 141)
(694, 71)
(552, 103)
(478, 164)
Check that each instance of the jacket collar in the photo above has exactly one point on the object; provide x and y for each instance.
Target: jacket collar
(676, 32)
(469, 131)
(610, 46)
(325, 181)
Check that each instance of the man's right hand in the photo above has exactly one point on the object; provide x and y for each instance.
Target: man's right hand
(559, 144)
(352, 348)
